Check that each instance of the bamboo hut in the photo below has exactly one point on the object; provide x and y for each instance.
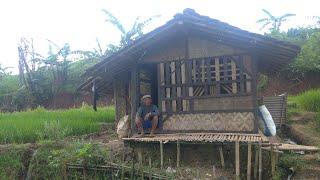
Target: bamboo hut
(201, 73)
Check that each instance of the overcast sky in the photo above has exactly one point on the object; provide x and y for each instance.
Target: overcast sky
(80, 22)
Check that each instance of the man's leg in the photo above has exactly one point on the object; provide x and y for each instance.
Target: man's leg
(154, 120)
(138, 122)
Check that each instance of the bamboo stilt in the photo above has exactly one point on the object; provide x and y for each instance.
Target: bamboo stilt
(221, 157)
(139, 151)
(237, 158)
(178, 154)
(249, 162)
(273, 163)
(150, 166)
(161, 154)
(256, 161)
(260, 161)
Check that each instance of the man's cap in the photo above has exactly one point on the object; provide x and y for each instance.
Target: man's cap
(146, 96)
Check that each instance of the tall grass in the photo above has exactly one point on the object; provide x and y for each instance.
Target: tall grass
(309, 100)
(33, 125)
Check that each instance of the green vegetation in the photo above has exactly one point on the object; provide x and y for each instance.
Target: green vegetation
(38, 124)
(272, 20)
(307, 101)
(49, 159)
(12, 161)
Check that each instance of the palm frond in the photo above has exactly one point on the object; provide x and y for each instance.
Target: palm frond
(114, 21)
(269, 14)
(285, 16)
(265, 25)
(262, 20)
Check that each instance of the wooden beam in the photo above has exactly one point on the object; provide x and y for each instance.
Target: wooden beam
(221, 157)
(249, 162)
(237, 160)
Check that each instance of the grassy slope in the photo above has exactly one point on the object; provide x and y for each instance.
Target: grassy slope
(30, 126)
(300, 106)
(304, 120)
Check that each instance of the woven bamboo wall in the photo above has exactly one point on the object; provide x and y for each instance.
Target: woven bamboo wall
(199, 48)
(234, 121)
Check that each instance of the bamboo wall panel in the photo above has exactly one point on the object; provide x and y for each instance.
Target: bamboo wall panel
(199, 48)
(223, 103)
(174, 50)
(234, 121)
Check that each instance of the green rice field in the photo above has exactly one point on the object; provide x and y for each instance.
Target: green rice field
(42, 124)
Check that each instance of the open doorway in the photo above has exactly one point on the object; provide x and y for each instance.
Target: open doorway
(148, 82)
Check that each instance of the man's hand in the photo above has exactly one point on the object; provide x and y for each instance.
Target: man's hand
(147, 116)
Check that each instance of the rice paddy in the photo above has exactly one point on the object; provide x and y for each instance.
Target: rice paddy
(42, 124)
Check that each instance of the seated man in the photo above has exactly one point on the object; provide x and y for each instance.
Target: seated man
(147, 116)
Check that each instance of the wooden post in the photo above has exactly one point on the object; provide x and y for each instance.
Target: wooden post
(234, 76)
(139, 151)
(237, 159)
(260, 161)
(178, 154)
(150, 166)
(221, 157)
(256, 161)
(161, 154)
(249, 162)
(273, 163)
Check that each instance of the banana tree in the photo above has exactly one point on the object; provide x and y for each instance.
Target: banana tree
(274, 21)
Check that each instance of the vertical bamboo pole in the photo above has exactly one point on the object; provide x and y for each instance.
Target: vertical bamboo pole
(173, 82)
(178, 154)
(249, 162)
(161, 154)
(234, 76)
(256, 161)
(217, 70)
(273, 163)
(260, 161)
(221, 157)
(139, 151)
(150, 166)
(237, 159)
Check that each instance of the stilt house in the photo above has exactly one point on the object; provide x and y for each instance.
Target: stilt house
(201, 73)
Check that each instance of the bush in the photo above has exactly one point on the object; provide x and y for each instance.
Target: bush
(52, 157)
(309, 100)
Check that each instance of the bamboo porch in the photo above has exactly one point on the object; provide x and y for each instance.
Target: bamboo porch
(258, 140)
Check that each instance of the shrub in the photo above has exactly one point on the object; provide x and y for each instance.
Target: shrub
(309, 100)
(53, 156)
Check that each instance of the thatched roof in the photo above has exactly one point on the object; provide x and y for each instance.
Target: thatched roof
(273, 54)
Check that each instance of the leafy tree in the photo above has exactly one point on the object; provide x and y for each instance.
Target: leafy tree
(4, 71)
(308, 61)
(274, 21)
(127, 36)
